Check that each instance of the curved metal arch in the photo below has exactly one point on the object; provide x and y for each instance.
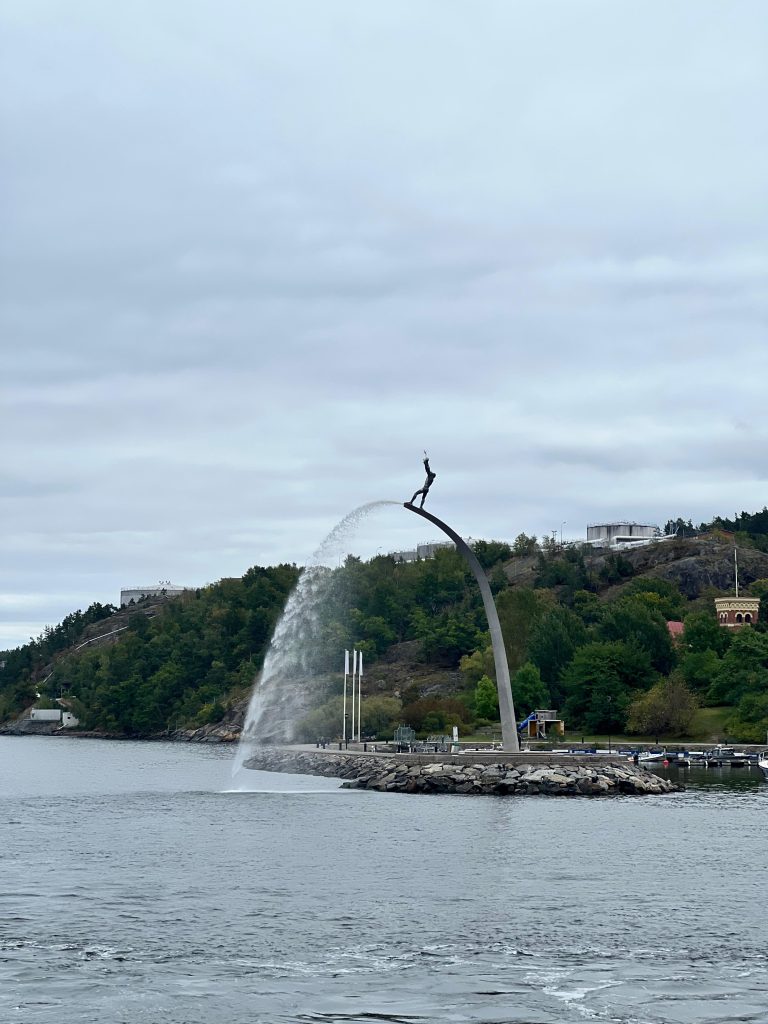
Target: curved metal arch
(509, 739)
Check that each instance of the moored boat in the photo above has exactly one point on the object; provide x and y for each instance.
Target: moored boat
(652, 756)
(720, 756)
(762, 762)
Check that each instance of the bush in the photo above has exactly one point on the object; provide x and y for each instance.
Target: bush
(433, 713)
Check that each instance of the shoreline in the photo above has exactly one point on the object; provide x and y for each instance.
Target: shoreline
(26, 728)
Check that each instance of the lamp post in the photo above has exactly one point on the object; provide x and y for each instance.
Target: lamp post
(561, 531)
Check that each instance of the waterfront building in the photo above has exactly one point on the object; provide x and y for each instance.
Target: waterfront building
(58, 716)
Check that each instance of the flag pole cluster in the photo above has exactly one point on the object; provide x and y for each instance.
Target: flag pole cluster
(356, 695)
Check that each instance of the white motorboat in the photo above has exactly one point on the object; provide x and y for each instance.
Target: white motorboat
(652, 756)
(762, 762)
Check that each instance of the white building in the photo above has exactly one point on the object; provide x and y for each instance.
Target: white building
(65, 718)
(421, 551)
(622, 535)
(404, 556)
(162, 589)
(428, 550)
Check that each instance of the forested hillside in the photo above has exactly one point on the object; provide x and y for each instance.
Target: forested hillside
(586, 633)
(175, 663)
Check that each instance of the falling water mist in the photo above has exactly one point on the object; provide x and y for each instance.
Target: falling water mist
(283, 692)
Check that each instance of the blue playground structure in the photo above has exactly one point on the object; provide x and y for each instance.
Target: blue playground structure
(539, 723)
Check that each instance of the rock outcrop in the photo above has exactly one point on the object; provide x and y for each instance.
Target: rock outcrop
(408, 774)
(226, 731)
(25, 726)
(693, 564)
(222, 732)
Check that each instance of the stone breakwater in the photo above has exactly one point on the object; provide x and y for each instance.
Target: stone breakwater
(412, 774)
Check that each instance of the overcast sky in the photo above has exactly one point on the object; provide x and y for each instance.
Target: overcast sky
(257, 256)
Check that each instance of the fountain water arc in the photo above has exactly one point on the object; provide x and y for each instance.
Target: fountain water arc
(279, 698)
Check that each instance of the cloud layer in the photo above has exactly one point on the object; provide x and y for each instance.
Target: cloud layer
(256, 257)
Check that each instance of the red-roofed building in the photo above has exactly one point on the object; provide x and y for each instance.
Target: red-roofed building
(675, 630)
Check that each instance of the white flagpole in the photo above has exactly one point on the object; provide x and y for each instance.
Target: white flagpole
(354, 673)
(344, 711)
(736, 568)
(359, 693)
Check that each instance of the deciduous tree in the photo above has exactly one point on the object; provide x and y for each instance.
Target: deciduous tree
(667, 709)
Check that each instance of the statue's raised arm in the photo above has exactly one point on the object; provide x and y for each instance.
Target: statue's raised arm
(427, 483)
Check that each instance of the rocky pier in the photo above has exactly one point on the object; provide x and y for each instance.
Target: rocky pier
(499, 775)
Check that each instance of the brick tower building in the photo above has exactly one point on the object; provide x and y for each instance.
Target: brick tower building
(737, 611)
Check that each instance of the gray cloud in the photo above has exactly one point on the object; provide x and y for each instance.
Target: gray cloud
(253, 260)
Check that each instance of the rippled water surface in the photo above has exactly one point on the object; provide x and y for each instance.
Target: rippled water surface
(136, 886)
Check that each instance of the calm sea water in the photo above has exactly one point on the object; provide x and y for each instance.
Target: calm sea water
(135, 886)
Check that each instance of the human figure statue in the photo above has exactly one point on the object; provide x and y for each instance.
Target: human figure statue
(427, 483)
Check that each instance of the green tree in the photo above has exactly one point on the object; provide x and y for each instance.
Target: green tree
(423, 714)
(490, 552)
(554, 639)
(447, 637)
(524, 545)
(529, 692)
(665, 596)
(324, 721)
(519, 612)
(680, 527)
(634, 621)
(615, 569)
(477, 664)
(568, 574)
(750, 722)
(139, 624)
(587, 606)
(702, 632)
(743, 669)
(667, 709)
(601, 682)
(379, 716)
(375, 629)
(486, 700)
(498, 579)
(700, 669)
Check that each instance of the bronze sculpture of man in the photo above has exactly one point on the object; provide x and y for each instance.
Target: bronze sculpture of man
(427, 483)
